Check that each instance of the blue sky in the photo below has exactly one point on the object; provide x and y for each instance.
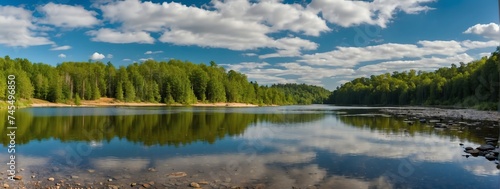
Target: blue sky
(321, 42)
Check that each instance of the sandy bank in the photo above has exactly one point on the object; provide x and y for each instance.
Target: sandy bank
(112, 102)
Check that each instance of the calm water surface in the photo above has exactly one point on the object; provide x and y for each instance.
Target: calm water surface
(280, 147)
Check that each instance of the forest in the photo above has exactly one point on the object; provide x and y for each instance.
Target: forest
(172, 82)
(475, 84)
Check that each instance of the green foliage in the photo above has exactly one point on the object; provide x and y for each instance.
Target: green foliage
(475, 84)
(77, 100)
(172, 82)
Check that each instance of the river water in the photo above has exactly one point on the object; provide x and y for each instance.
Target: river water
(315, 146)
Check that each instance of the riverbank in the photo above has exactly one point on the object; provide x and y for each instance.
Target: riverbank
(456, 114)
(104, 102)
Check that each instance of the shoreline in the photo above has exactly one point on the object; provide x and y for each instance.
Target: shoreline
(110, 102)
(433, 112)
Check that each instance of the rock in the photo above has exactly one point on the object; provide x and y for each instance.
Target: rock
(490, 156)
(113, 187)
(152, 169)
(496, 151)
(90, 170)
(110, 180)
(33, 176)
(18, 177)
(151, 183)
(473, 152)
(6, 185)
(177, 175)
(195, 185)
(146, 185)
(485, 147)
(133, 184)
(51, 179)
(74, 177)
(203, 183)
(489, 139)
(468, 148)
(461, 144)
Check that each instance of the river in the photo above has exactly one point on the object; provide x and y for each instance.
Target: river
(315, 146)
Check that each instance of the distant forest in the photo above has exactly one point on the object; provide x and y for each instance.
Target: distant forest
(169, 82)
(475, 84)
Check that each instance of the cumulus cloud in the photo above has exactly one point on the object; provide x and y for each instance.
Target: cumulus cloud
(377, 12)
(424, 64)
(491, 30)
(60, 48)
(67, 16)
(97, 56)
(153, 52)
(61, 55)
(113, 36)
(17, 28)
(291, 72)
(218, 27)
(352, 56)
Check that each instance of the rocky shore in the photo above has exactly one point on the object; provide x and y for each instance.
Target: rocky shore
(172, 180)
(439, 113)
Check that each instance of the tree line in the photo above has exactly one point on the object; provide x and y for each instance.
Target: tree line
(475, 84)
(169, 82)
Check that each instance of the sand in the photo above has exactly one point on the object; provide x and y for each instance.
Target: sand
(103, 102)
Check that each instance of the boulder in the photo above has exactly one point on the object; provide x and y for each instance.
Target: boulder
(485, 147)
(473, 152)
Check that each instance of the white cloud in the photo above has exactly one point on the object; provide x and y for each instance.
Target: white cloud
(479, 44)
(144, 59)
(277, 15)
(219, 26)
(113, 36)
(424, 64)
(61, 48)
(249, 54)
(265, 73)
(491, 30)
(377, 12)
(487, 54)
(61, 55)
(67, 16)
(351, 56)
(17, 28)
(97, 56)
(153, 52)
(109, 56)
(126, 59)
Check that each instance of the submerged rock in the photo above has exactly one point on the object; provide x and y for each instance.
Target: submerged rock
(473, 152)
(485, 147)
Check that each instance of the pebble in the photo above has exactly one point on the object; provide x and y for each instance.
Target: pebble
(177, 175)
(74, 177)
(50, 179)
(195, 185)
(90, 170)
(133, 184)
(146, 185)
(18, 177)
(110, 180)
(6, 185)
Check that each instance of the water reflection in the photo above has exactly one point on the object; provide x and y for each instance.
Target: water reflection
(234, 147)
(176, 127)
